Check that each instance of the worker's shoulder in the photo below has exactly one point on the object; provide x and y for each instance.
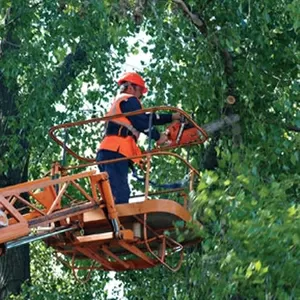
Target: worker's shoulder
(125, 97)
(133, 99)
(131, 103)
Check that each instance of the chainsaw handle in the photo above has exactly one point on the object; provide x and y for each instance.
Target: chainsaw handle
(178, 137)
(183, 119)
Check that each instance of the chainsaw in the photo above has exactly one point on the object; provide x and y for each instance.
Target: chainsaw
(182, 132)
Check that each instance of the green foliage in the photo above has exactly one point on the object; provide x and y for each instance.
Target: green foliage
(293, 9)
(249, 205)
(50, 279)
(251, 226)
(54, 44)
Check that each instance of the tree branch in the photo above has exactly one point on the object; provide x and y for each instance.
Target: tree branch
(227, 58)
(293, 128)
(228, 66)
(72, 66)
(197, 21)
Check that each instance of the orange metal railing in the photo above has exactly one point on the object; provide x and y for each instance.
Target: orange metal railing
(47, 197)
(52, 132)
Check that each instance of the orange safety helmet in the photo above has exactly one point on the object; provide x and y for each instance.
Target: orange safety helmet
(134, 78)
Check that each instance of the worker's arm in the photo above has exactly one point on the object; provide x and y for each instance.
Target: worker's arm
(141, 121)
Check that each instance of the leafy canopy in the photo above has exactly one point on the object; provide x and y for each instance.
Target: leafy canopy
(249, 205)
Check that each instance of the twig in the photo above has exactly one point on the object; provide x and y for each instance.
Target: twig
(293, 128)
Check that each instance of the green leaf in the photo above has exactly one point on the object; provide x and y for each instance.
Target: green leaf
(257, 265)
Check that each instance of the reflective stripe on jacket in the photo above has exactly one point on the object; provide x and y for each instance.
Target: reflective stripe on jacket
(124, 145)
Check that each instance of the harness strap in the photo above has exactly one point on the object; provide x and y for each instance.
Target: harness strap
(129, 127)
(119, 130)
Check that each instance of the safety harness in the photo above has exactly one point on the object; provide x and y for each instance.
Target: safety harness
(113, 128)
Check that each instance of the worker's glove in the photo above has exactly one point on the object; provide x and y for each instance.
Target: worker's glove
(163, 140)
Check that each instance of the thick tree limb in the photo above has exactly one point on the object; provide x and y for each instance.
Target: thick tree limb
(227, 58)
(197, 21)
(228, 66)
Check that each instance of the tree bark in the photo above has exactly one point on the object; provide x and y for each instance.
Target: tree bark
(14, 266)
(14, 270)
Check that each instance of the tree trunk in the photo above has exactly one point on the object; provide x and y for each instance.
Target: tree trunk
(14, 265)
(14, 270)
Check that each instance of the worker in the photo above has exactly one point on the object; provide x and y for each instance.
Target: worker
(122, 133)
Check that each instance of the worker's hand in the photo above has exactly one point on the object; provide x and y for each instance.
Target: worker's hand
(163, 140)
(176, 116)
